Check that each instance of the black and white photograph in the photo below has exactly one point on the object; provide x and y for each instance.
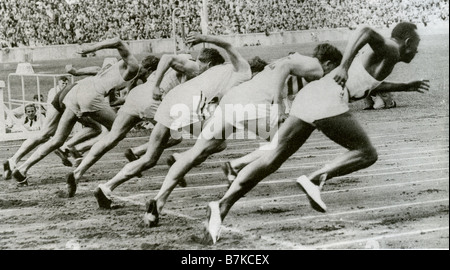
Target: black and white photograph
(224, 125)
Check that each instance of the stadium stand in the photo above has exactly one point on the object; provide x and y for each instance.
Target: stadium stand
(54, 22)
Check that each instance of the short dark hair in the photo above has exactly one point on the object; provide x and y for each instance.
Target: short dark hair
(257, 64)
(327, 52)
(63, 78)
(404, 30)
(211, 55)
(150, 62)
(36, 97)
(30, 105)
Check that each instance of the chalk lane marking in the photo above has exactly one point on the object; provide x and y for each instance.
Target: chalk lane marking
(377, 238)
(277, 181)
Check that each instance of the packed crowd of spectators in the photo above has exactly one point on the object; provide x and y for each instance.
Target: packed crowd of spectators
(54, 22)
(249, 16)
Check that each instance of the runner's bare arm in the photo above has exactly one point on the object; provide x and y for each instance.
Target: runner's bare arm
(86, 71)
(236, 58)
(414, 86)
(305, 66)
(362, 37)
(115, 43)
(181, 63)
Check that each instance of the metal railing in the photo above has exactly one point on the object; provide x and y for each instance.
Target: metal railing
(12, 101)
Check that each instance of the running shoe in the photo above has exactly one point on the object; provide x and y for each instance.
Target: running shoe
(74, 152)
(102, 199)
(7, 172)
(312, 193)
(151, 217)
(214, 222)
(64, 157)
(21, 179)
(392, 105)
(130, 155)
(71, 185)
(170, 160)
(77, 162)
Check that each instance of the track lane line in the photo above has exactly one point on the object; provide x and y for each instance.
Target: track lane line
(288, 180)
(320, 137)
(376, 238)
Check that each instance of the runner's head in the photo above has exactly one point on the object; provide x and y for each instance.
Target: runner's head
(63, 81)
(407, 37)
(38, 98)
(30, 110)
(329, 56)
(208, 58)
(149, 64)
(257, 65)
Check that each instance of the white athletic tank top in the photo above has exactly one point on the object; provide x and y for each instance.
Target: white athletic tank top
(259, 90)
(170, 80)
(216, 81)
(264, 87)
(360, 82)
(107, 78)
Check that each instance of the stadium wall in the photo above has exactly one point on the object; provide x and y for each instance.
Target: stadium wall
(31, 54)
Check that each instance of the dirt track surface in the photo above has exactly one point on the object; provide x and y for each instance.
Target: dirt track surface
(401, 202)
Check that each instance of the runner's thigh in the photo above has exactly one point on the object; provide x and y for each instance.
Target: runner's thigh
(345, 130)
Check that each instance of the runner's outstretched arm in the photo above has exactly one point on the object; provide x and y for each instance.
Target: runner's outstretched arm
(413, 86)
(181, 63)
(362, 37)
(236, 58)
(132, 64)
(85, 71)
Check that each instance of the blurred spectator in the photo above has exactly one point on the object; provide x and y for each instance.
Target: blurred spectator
(20, 111)
(40, 107)
(61, 83)
(4, 45)
(30, 121)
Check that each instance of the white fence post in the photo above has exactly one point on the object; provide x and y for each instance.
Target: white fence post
(2, 110)
(10, 100)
